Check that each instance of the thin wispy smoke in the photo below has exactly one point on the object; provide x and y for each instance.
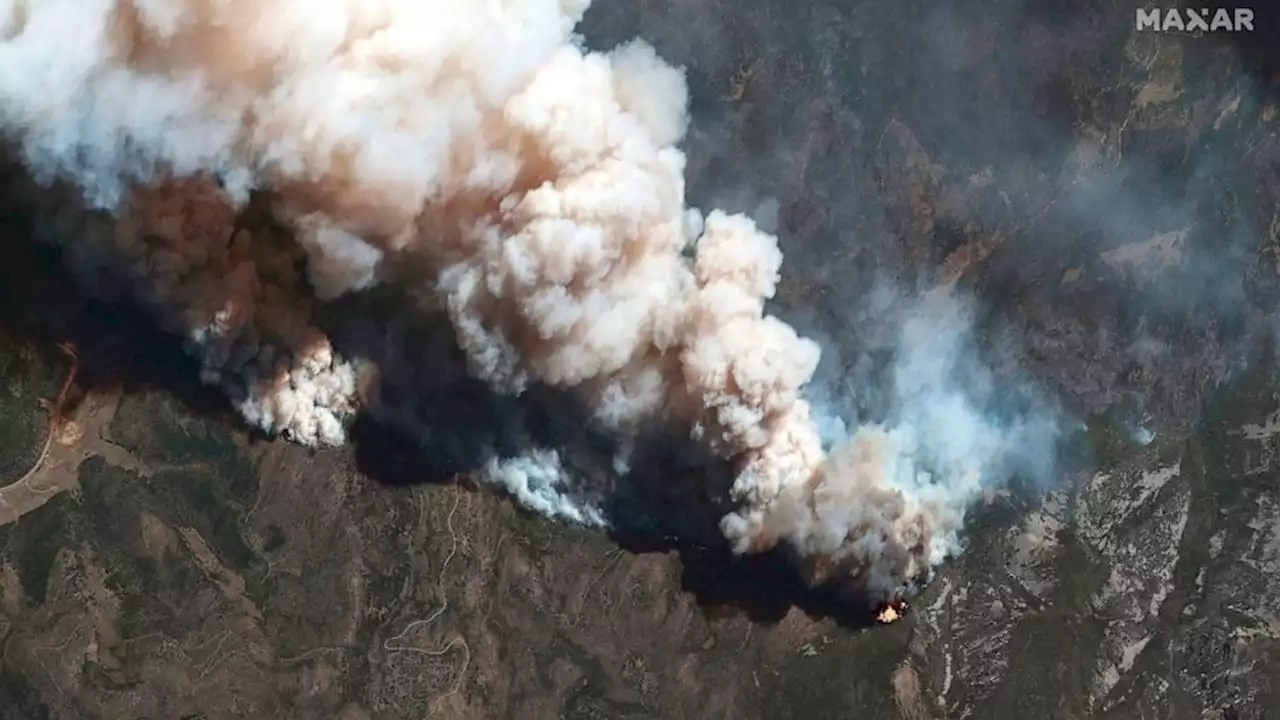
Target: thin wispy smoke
(476, 158)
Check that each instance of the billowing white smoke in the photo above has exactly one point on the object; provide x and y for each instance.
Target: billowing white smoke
(474, 152)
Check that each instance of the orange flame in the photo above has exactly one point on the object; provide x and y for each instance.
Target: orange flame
(893, 612)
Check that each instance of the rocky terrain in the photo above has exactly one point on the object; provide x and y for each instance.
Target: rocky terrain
(1109, 197)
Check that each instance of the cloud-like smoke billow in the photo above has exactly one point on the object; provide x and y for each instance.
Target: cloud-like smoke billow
(476, 157)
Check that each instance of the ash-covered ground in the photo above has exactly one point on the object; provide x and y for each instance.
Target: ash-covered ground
(1107, 196)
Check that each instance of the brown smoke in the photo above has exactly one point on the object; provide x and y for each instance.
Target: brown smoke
(474, 154)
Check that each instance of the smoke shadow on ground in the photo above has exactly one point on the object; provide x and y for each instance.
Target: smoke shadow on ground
(426, 406)
(117, 344)
(674, 497)
(764, 588)
(433, 423)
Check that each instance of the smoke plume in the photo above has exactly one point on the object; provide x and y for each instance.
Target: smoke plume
(477, 159)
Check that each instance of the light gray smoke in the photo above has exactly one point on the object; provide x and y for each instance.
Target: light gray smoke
(475, 154)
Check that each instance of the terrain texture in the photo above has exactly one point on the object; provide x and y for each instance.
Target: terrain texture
(1108, 197)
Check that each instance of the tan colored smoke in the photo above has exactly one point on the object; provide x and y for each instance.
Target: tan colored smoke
(473, 152)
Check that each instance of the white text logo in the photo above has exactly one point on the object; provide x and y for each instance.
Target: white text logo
(1191, 20)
